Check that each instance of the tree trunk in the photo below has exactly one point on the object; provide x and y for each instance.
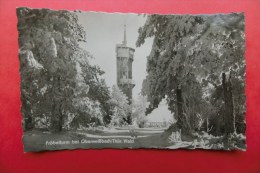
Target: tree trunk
(179, 108)
(57, 116)
(60, 118)
(182, 125)
(27, 117)
(229, 116)
(28, 123)
(182, 122)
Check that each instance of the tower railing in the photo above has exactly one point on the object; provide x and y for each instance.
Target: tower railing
(126, 81)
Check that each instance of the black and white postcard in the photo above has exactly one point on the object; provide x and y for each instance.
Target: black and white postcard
(93, 80)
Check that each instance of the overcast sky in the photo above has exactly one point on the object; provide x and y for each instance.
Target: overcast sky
(104, 31)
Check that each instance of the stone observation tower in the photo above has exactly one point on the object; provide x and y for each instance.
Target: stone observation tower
(125, 58)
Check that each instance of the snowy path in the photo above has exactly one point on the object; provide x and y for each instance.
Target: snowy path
(107, 137)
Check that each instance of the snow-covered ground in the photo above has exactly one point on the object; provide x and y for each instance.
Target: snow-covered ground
(110, 136)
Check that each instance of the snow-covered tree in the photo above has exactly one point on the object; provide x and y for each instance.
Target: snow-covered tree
(86, 111)
(220, 51)
(51, 57)
(98, 89)
(189, 53)
(139, 107)
(168, 74)
(120, 107)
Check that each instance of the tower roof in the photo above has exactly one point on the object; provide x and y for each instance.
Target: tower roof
(124, 41)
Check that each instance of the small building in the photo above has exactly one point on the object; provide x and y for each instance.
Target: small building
(163, 124)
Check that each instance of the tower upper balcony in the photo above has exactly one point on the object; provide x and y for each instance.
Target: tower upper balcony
(126, 82)
(124, 51)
